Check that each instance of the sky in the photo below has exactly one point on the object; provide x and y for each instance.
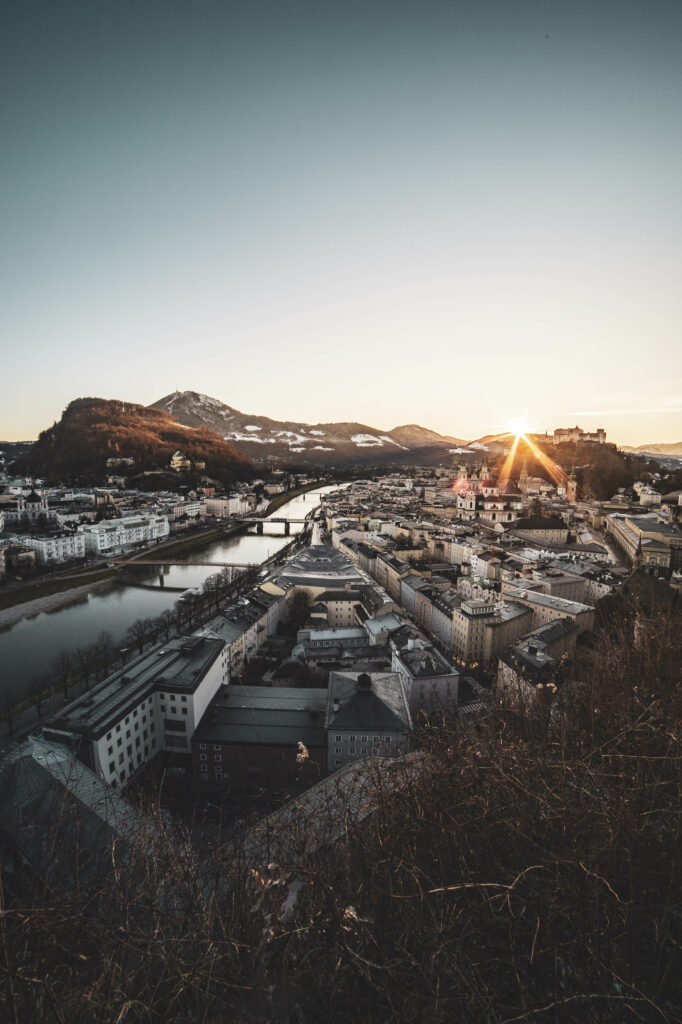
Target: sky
(445, 213)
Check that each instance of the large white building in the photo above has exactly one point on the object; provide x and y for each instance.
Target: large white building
(154, 703)
(113, 536)
(55, 547)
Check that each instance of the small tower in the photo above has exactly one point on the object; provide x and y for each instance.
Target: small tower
(523, 479)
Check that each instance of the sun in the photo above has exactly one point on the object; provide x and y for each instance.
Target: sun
(518, 426)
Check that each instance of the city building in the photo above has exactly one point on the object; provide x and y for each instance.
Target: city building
(366, 715)
(115, 536)
(154, 703)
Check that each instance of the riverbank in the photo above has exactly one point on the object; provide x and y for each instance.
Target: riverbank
(60, 588)
(47, 603)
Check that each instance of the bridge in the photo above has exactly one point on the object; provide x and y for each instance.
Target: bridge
(160, 561)
(260, 522)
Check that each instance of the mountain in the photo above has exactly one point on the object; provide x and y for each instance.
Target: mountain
(93, 430)
(267, 440)
(674, 449)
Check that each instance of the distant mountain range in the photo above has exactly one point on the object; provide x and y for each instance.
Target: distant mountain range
(272, 441)
(672, 449)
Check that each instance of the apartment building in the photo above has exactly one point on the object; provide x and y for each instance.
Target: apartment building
(114, 536)
(154, 703)
(55, 547)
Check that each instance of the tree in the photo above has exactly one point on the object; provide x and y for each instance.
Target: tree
(536, 508)
(64, 667)
(8, 713)
(104, 646)
(37, 695)
(299, 608)
(138, 633)
(86, 659)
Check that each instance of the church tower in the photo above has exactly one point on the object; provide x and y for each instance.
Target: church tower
(523, 479)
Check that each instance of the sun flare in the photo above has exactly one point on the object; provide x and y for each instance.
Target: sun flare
(518, 426)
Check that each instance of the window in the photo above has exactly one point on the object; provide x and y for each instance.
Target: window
(172, 696)
(338, 739)
(217, 757)
(351, 750)
(338, 761)
(120, 758)
(352, 739)
(127, 734)
(119, 742)
(184, 700)
(184, 711)
(217, 746)
(364, 739)
(118, 728)
(145, 734)
(108, 735)
(137, 741)
(127, 719)
(376, 739)
(112, 765)
(129, 750)
(110, 751)
(203, 746)
(203, 757)
(338, 750)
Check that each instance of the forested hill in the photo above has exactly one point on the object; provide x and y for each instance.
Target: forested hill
(92, 430)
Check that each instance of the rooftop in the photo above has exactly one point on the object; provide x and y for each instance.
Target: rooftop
(178, 665)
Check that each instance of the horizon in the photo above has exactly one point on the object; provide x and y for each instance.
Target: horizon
(509, 430)
(330, 212)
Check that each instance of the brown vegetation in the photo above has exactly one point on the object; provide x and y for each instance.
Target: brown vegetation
(92, 430)
(529, 873)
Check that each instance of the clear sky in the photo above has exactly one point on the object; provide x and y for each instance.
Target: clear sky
(446, 213)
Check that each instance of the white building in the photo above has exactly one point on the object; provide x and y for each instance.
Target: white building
(55, 547)
(113, 536)
(232, 505)
(154, 703)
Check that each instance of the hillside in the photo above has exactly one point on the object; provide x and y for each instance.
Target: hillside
(92, 430)
(673, 449)
(267, 440)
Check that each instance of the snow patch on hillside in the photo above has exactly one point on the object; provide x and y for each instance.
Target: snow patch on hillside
(385, 437)
(477, 444)
(317, 433)
(251, 427)
(367, 441)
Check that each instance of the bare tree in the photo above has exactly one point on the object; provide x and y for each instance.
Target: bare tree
(138, 633)
(104, 645)
(64, 668)
(38, 694)
(8, 712)
(85, 658)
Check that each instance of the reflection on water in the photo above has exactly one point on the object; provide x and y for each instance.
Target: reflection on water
(28, 648)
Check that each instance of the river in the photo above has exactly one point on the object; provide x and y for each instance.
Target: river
(29, 647)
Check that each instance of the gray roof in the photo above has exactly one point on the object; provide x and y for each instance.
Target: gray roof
(269, 716)
(178, 665)
(60, 815)
(324, 812)
(380, 707)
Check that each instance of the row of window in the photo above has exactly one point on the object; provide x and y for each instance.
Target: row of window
(364, 739)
